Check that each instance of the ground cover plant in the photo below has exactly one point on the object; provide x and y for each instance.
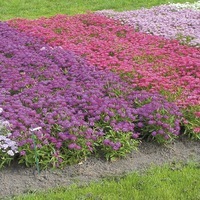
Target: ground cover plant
(193, 6)
(107, 44)
(170, 21)
(81, 110)
(168, 67)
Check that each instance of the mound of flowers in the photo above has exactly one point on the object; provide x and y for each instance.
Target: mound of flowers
(193, 6)
(151, 62)
(61, 110)
(174, 21)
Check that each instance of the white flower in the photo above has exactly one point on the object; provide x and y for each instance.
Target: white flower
(5, 146)
(1, 110)
(35, 129)
(42, 49)
(194, 6)
(11, 153)
(9, 134)
(6, 123)
(2, 137)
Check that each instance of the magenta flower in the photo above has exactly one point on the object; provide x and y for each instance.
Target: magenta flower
(22, 153)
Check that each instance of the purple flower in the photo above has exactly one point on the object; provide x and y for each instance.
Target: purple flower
(22, 153)
(154, 133)
(161, 132)
(72, 146)
(58, 145)
(135, 135)
(106, 142)
(151, 122)
(140, 124)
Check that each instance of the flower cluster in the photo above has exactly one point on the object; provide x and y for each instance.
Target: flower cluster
(155, 115)
(167, 66)
(8, 147)
(168, 21)
(193, 6)
(81, 110)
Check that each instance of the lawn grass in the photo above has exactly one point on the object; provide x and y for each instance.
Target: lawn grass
(172, 181)
(36, 8)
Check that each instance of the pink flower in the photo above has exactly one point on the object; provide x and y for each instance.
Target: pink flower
(197, 130)
(197, 114)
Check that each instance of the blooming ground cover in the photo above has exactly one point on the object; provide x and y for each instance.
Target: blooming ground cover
(89, 85)
(105, 43)
(193, 6)
(174, 21)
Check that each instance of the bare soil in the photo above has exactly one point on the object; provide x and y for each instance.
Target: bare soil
(17, 179)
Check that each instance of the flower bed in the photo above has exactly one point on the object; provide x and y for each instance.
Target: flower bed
(193, 6)
(167, 66)
(61, 109)
(174, 21)
(64, 102)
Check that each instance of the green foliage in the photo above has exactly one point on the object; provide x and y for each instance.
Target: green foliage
(44, 153)
(108, 147)
(161, 126)
(191, 123)
(5, 159)
(172, 96)
(185, 40)
(84, 148)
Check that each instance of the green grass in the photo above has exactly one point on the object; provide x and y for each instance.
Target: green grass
(170, 182)
(37, 8)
